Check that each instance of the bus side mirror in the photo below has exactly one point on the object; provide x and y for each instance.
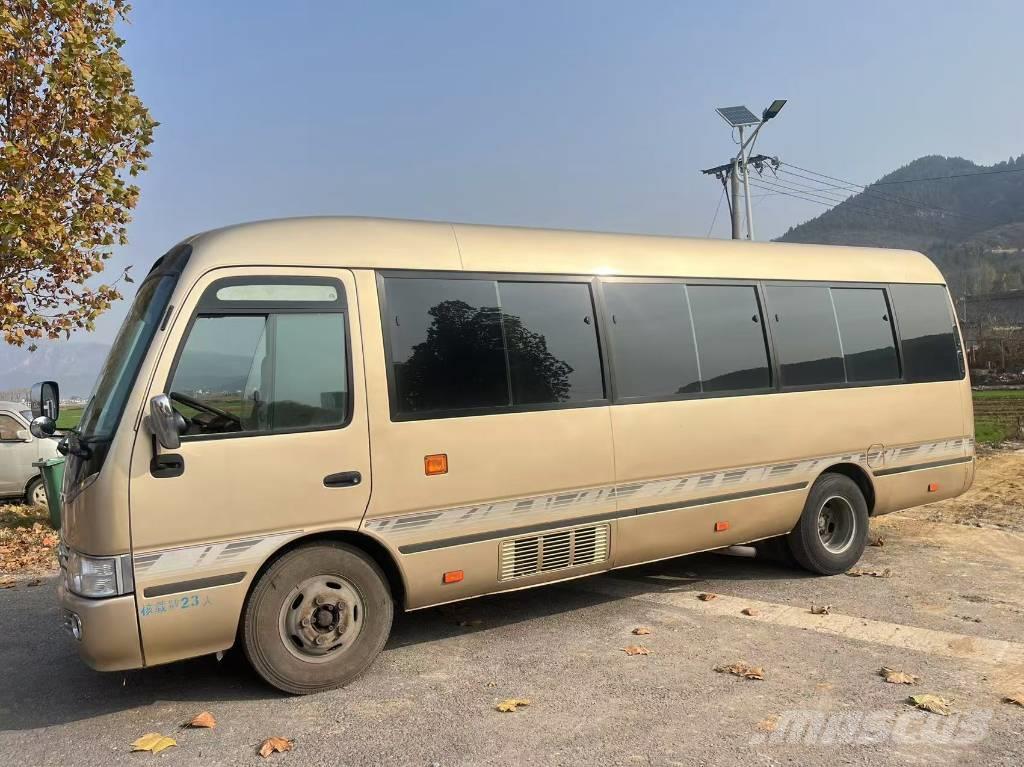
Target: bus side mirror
(42, 426)
(46, 399)
(165, 423)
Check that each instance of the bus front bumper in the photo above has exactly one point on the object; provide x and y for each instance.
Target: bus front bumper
(106, 630)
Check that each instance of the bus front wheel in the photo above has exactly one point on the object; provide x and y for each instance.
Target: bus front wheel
(317, 618)
(833, 528)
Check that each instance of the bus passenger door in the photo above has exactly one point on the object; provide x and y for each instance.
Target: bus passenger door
(265, 368)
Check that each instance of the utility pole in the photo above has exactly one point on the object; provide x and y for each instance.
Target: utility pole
(729, 174)
(740, 117)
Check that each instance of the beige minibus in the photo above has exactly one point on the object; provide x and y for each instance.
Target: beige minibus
(306, 424)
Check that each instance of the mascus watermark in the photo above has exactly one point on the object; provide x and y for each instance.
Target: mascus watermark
(811, 727)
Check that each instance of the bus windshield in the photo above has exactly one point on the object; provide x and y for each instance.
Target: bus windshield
(103, 411)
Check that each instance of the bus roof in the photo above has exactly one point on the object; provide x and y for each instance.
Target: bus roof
(378, 243)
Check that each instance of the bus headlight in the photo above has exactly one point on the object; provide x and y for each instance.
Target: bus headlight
(97, 576)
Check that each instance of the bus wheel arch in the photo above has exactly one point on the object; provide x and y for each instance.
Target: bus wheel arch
(369, 545)
(858, 475)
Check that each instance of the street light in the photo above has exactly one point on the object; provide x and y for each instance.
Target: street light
(740, 117)
(773, 109)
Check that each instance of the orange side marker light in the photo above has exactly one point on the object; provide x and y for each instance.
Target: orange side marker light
(933, 486)
(435, 464)
(721, 527)
(453, 576)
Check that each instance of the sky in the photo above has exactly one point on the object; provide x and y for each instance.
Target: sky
(567, 114)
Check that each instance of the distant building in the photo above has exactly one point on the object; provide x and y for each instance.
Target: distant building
(993, 329)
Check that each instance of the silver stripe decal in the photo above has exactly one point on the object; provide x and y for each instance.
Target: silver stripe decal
(671, 492)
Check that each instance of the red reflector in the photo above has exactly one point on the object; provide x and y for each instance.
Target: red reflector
(453, 576)
(721, 527)
(932, 487)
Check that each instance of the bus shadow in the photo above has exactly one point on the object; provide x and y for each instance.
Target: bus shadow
(46, 684)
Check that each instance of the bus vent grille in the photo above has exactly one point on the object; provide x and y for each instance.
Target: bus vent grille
(555, 551)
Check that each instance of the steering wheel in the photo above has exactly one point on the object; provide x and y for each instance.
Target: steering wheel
(203, 407)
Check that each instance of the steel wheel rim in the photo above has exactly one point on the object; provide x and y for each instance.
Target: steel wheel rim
(321, 618)
(837, 524)
(39, 494)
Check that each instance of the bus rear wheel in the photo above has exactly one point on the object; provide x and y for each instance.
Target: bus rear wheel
(833, 529)
(317, 618)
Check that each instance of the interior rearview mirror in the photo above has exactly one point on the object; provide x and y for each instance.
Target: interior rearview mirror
(46, 399)
(165, 423)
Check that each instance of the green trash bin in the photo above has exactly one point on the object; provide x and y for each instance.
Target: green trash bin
(52, 470)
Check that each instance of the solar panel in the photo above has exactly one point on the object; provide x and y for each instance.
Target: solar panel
(737, 116)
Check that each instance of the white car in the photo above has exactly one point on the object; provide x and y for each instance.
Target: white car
(18, 451)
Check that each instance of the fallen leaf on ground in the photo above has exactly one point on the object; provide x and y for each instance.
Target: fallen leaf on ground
(892, 676)
(768, 725)
(641, 630)
(750, 611)
(705, 597)
(820, 609)
(1017, 698)
(876, 540)
(742, 669)
(48, 540)
(203, 719)
(270, 745)
(153, 742)
(857, 572)
(636, 649)
(510, 705)
(34, 582)
(8, 584)
(824, 686)
(934, 703)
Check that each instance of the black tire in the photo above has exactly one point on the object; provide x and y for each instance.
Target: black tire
(295, 669)
(821, 542)
(30, 492)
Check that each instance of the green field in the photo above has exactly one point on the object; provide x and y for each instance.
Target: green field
(69, 416)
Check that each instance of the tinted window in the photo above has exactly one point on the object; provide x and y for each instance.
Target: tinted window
(551, 338)
(446, 344)
(257, 373)
(926, 330)
(730, 337)
(652, 339)
(806, 337)
(865, 327)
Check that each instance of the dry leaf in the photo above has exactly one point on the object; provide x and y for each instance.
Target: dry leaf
(636, 649)
(750, 611)
(34, 582)
(641, 631)
(270, 745)
(8, 584)
(934, 703)
(1017, 698)
(876, 541)
(857, 572)
(49, 540)
(203, 719)
(742, 669)
(153, 742)
(892, 676)
(768, 725)
(510, 705)
(820, 609)
(707, 597)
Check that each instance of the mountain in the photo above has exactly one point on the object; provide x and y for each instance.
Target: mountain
(74, 365)
(969, 220)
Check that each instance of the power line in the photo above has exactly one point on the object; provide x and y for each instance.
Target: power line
(861, 189)
(717, 208)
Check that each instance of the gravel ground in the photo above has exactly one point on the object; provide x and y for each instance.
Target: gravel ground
(950, 612)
